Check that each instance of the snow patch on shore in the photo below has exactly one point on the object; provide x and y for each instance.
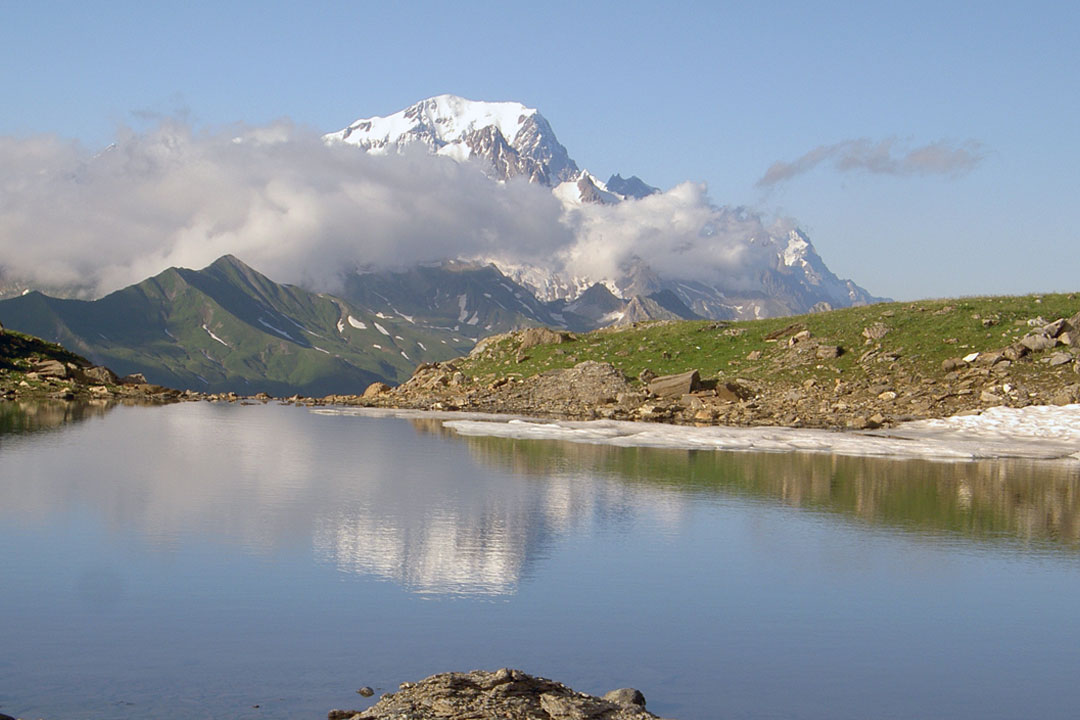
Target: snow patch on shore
(1045, 433)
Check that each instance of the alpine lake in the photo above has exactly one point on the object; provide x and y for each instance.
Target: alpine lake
(208, 560)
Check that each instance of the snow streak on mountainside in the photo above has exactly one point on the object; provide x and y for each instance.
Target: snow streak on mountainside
(511, 139)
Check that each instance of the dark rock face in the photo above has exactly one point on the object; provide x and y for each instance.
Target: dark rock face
(501, 695)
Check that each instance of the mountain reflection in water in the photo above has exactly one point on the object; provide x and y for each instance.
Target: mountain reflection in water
(981, 500)
(199, 559)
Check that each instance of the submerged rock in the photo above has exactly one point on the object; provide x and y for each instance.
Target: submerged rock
(501, 695)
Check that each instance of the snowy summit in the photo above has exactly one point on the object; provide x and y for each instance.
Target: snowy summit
(513, 139)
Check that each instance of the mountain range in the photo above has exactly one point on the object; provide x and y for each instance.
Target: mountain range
(228, 327)
(511, 141)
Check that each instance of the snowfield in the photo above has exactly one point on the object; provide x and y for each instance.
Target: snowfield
(1037, 432)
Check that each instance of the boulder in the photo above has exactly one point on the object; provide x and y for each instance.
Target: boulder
(501, 695)
(875, 332)
(1056, 328)
(733, 391)
(676, 385)
(1038, 341)
(375, 389)
(101, 374)
(543, 336)
(51, 368)
(625, 696)
(828, 352)
(133, 379)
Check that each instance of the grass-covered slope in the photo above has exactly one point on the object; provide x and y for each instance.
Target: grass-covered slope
(228, 328)
(855, 366)
(920, 334)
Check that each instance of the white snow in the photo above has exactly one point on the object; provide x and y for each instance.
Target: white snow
(462, 300)
(421, 346)
(279, 331)
(341, 327)
(405, 356)
(358, 324)
(381, 329)
(320, 349)
(795, 252)
(377, 347)
(442, 121)
(211, 334)
(1043, 432)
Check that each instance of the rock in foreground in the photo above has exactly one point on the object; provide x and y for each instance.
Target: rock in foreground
(501, 695)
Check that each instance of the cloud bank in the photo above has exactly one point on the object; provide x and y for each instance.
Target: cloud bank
(305, 212)
(885, 157)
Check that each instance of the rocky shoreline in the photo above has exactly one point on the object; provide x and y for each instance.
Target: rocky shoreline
(500, 695)
(803, 386)
(1042, 368)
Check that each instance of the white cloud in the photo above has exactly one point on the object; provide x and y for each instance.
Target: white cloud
(277, 197)
(304, 212)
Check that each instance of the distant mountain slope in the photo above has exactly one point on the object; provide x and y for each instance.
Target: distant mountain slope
(227, 327)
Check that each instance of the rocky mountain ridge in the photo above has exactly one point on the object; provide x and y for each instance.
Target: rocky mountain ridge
(510, 141)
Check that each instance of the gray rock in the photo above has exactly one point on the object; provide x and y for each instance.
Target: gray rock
(366, 691)
(502, 695)
(828, 352)
(953, 364)
(543, 336)
(676, 385)
(625, 696)
(1060, 358)
(1056, 328)
(51, 368)
(733, 391)
(1038, 341)
(101, 374)
(375, 389)
(875, 331)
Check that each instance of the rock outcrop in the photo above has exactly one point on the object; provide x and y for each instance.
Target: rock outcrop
(501, 695)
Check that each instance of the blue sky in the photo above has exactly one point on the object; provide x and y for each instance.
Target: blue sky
(709, 92)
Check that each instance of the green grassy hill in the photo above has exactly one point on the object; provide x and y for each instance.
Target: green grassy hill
(228, 328)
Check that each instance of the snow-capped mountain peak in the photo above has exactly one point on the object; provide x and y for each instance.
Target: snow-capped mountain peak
(585, 188)
(443, 119)
(513, 140)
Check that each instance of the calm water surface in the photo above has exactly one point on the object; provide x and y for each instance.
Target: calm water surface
(195, 560)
